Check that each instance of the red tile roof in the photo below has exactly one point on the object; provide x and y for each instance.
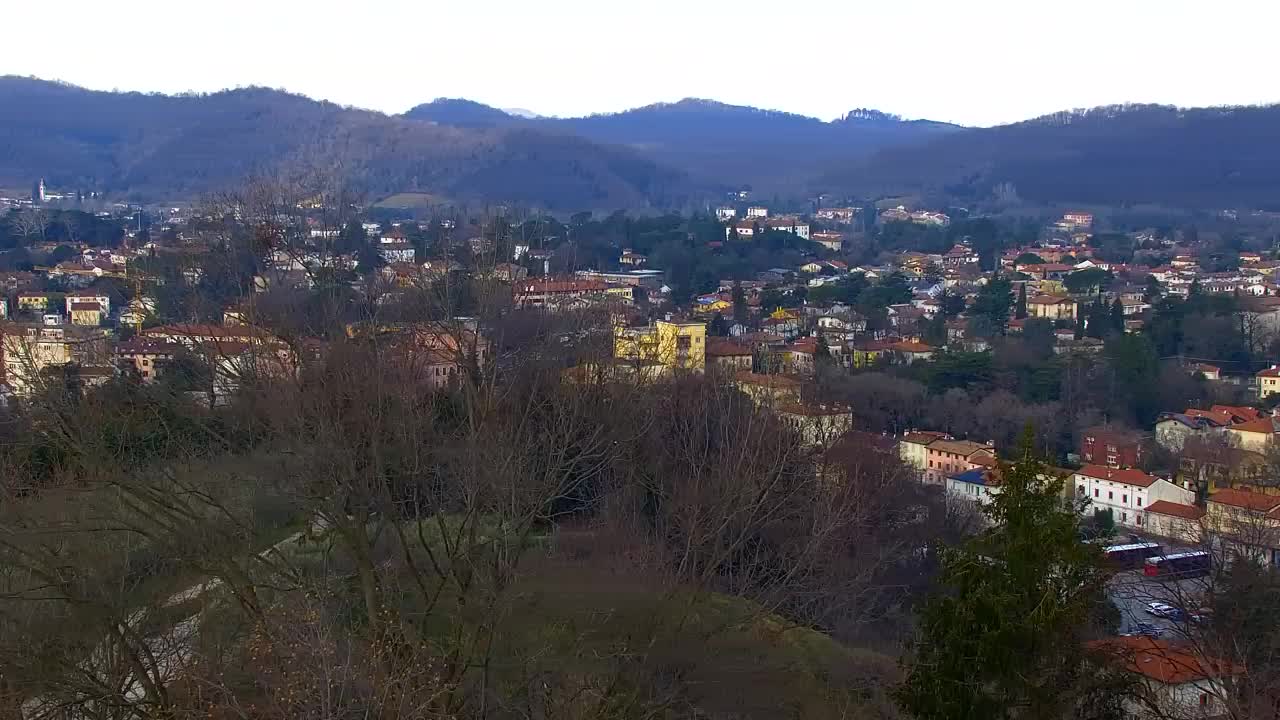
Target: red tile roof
(1246, 500)
(1186, 512)
(726, 348)
(1162, 661)
(1261, 425)
(1128, 476)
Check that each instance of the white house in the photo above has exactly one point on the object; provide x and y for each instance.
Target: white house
(1174, 681)
(1127, 493)
(725, 213)
(756, 211)
(89, 296)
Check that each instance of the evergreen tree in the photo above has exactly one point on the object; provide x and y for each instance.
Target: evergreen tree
(935, 331)
(1005, 636)
(1020, 310)
(1080, 312)
(1153, 290)
(739, 304)
(1117, 316)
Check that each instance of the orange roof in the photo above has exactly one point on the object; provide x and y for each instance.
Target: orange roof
(79, 306)
(1242, 411)
(727, 348)
(1048, 300)
(1261, 425)
(1219, 418)
(1162, 661)
(1246, 500)
(1128, 476)
(1186, 512)
(908, 346)
(773, 381)
(1272, 371)
(923, 437)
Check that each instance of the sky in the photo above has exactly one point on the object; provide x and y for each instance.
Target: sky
(974, 62)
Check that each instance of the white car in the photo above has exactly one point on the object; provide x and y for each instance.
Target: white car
(1160, 609)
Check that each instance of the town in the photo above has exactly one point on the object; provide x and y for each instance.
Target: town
(1144, 362)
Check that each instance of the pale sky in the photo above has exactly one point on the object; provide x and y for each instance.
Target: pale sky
(976, 62)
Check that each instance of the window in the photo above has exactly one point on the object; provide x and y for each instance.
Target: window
(1124, 498)
(1111, 495)
(1095, 492)
(1124, 517)
(1139, 500)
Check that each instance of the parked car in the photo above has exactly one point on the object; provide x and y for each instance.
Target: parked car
(1147, 629)
(1160, 610)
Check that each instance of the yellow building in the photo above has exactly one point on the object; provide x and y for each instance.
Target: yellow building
(28, 351)
(1052, 307)
(1268, 382)
(86, 313)
(678, 345)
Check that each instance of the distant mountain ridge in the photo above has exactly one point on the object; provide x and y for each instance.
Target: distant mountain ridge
(719, 143)
(1118, 154)
(153, 146)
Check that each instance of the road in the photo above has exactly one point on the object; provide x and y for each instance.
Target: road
(1131, 591)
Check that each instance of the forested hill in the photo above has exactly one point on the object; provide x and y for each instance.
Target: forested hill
(1211, 157)
(718, 143)
(158, 146)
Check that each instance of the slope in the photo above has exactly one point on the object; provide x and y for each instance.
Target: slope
(153, 146)
(1210, 157)
(727, 144)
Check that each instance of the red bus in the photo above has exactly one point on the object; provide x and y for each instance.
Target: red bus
(1184, 564)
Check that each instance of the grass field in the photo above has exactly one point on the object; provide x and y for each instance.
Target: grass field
(410, 201)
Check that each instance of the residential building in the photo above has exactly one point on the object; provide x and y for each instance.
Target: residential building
(843, 215)
(978, 484)
(1077, 219)
(88, 314)
(100, 299)
(818, 426)
(674, 344)
(1111, 446)
(909, 351)
(397, 252)
(912, 446)
(946, 457)
(757, 211)
(832, 241)
(742, 229)
(788, 223)
(632, 259)
(145, 356)
(1268, 379)
(1126, 493)
(725, 213)
(800, 357)
(558, 294)
(768, 389)
(728, 356)
(1245, 524)
(1176, 521)
(30, 351)
(1173, 429)
(33, 302)
(1254, 435)
(1175, 681)
(1051, 307)
(195, 334)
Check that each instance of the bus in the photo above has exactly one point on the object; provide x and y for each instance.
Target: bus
(1179, 565)
(1131, 556)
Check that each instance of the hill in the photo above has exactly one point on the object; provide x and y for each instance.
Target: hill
(152, 146)
(1209, 157)
(727, 144)
(459, 112)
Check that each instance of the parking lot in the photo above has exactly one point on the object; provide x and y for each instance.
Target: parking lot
(1131, 591)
